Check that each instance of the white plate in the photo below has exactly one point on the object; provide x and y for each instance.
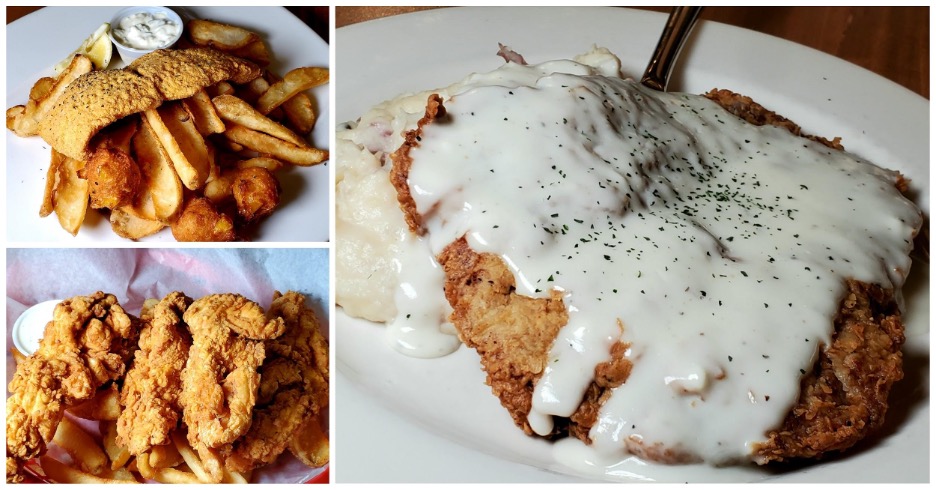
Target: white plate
(133, 274)
(414, 420)
(38, 41)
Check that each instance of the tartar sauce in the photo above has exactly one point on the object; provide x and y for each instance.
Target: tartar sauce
(146, 30)
(716, 250)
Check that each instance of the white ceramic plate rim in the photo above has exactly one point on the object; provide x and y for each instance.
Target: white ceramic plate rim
(39, 40)
(409, 420)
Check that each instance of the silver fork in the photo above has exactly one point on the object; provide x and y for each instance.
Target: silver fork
(677, 29)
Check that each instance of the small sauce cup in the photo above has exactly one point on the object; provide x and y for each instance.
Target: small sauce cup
(30, 326)
(128, 53)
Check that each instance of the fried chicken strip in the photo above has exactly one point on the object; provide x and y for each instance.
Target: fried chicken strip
(151, 389)
(87, 344)
(293, 385)
(221, 377)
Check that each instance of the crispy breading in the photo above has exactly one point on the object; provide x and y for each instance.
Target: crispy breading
(221, 375)
(511, 332)
(845, 397)
(151, 389)
(841, 402)
(92, 102)
(99, 98)
(293, 385)
(181, 73)
(88, 343)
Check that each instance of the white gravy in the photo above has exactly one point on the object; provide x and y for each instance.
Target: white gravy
(721, 247)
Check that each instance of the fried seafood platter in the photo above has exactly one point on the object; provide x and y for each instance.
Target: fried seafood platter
(207, 390)
(667, 278)
(207, 140)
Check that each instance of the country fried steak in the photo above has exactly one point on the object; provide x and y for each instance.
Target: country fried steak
(842, 400)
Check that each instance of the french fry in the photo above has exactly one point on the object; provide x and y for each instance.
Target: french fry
(220, 190)
(255, 51)
(220, 36)
(182, 142)
(148, 309)
(41, 88)
(293, 82)
(298, 109)
(143, 466)
(161, 190)
(123, 474)
(268, 163)
(126, 225)
(252, 91)
(172, 475)
(117, 454)
(310, 444)
(13, 114)
(282, 150)
(221, 88)
(70, 196)
(166, 456)
(233, 477)
(61, 473)
(191, 459)
(28, 122)
(80, 446)
(105, 405)
(48, 204)
(300, 113)
(237, 111)
(206, 116)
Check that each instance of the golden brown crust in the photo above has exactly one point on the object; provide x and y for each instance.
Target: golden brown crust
(200, 221)
(181, 73)
(745, 108)
(256, 192)
(399, 174)
(99, 98)
(841, 402)
(512, 333)
(92, 102)
(845, 397)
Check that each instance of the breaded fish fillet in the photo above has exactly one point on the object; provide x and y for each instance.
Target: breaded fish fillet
(97, 99)
(92, 102)
(181, 73)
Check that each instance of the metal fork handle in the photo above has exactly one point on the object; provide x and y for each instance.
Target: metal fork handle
(674, 35)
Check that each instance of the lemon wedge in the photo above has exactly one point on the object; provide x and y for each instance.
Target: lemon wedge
(97, 46)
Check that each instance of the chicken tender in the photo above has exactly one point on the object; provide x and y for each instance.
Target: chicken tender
(88, 343)
(221, 376)
(151, 389)
(293, 385)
